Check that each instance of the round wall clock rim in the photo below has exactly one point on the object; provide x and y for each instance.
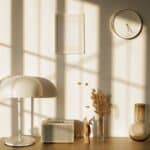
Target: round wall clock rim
(120, 11)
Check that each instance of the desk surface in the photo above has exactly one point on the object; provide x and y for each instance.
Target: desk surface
(108, 144)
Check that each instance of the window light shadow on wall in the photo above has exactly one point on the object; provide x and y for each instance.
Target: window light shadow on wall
(128, 76)
(125, 73)
(119, 71)
(68, 104)
(83, 67)
(121, 68)
(39, 59)
(8, 61)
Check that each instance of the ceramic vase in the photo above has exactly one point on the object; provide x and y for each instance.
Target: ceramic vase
(139, 130)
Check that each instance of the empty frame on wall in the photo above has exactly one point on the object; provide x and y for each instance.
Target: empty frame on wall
(69, 34)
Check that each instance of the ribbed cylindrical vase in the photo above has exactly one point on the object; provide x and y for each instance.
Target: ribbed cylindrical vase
(102, 128)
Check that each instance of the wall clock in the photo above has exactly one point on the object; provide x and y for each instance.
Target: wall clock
(127, 24)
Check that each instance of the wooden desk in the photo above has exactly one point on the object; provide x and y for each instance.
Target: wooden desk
(108, 144)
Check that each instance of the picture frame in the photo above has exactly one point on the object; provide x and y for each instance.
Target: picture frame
(70, 34)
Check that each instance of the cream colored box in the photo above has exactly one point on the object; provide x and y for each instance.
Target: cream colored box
(57, 131)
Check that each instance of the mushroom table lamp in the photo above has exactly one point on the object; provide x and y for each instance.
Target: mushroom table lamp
(22, 87)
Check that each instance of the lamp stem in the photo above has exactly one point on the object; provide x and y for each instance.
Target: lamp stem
(19, 120)
(32, 116)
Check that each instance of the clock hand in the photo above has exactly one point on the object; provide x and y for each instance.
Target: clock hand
(129, 28)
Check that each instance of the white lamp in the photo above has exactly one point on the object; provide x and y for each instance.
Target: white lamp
(22, 87)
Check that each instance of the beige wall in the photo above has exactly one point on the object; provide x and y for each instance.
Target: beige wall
(118, 67)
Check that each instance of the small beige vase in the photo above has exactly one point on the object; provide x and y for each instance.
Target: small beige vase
(139, 130)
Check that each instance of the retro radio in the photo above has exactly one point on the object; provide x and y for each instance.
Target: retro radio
(57, 131)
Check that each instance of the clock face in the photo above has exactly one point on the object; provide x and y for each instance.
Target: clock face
(127, 24)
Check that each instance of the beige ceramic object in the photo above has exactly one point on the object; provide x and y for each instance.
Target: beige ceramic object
(139, 130)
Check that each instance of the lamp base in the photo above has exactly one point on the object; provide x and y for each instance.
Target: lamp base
(14, 141)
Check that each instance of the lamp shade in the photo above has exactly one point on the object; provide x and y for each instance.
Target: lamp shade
(26, 86)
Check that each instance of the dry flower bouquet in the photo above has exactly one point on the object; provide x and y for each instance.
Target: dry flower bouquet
(101, 106)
